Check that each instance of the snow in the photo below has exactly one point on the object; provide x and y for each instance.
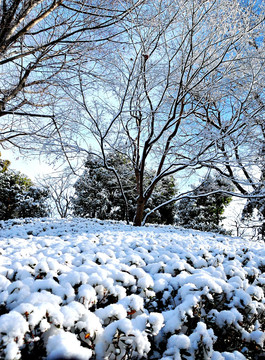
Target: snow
(65, 344)
(258, 337)
(228, 317)
(13, 324)
(90, 289)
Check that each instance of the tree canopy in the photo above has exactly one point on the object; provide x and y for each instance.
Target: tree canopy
(175, 85)
(184, 92)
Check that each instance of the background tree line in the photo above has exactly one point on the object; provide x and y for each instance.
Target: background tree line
(97, 195)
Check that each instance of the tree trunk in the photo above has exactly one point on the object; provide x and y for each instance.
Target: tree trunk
(138, 218)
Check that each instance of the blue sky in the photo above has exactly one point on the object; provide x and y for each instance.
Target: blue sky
(33, 168)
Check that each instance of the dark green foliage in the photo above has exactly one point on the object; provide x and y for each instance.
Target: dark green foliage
(19, 198)
(164, 191)
(205, 212)
(32, 203)
(98, 194)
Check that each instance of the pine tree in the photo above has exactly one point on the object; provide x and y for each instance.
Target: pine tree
(204, 212)
(164, 191)
(19, 198)
(98, 194)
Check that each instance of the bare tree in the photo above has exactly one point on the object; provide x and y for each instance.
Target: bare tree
(41, 42)
(241, 107)
(60, 186)
(155, 105)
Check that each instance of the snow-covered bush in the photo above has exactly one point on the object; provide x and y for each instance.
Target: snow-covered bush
(87, 289)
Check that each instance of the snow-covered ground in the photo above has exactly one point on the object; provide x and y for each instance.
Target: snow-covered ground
(88, 289)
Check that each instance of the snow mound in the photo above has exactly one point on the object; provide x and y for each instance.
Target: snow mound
(90, 289)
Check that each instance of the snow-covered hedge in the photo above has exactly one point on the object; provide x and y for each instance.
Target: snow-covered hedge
(87, 289)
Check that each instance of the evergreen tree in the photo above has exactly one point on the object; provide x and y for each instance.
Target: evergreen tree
(98, 194)
(255, 208)
(19, 198)
(204, 212)
(164, 191)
